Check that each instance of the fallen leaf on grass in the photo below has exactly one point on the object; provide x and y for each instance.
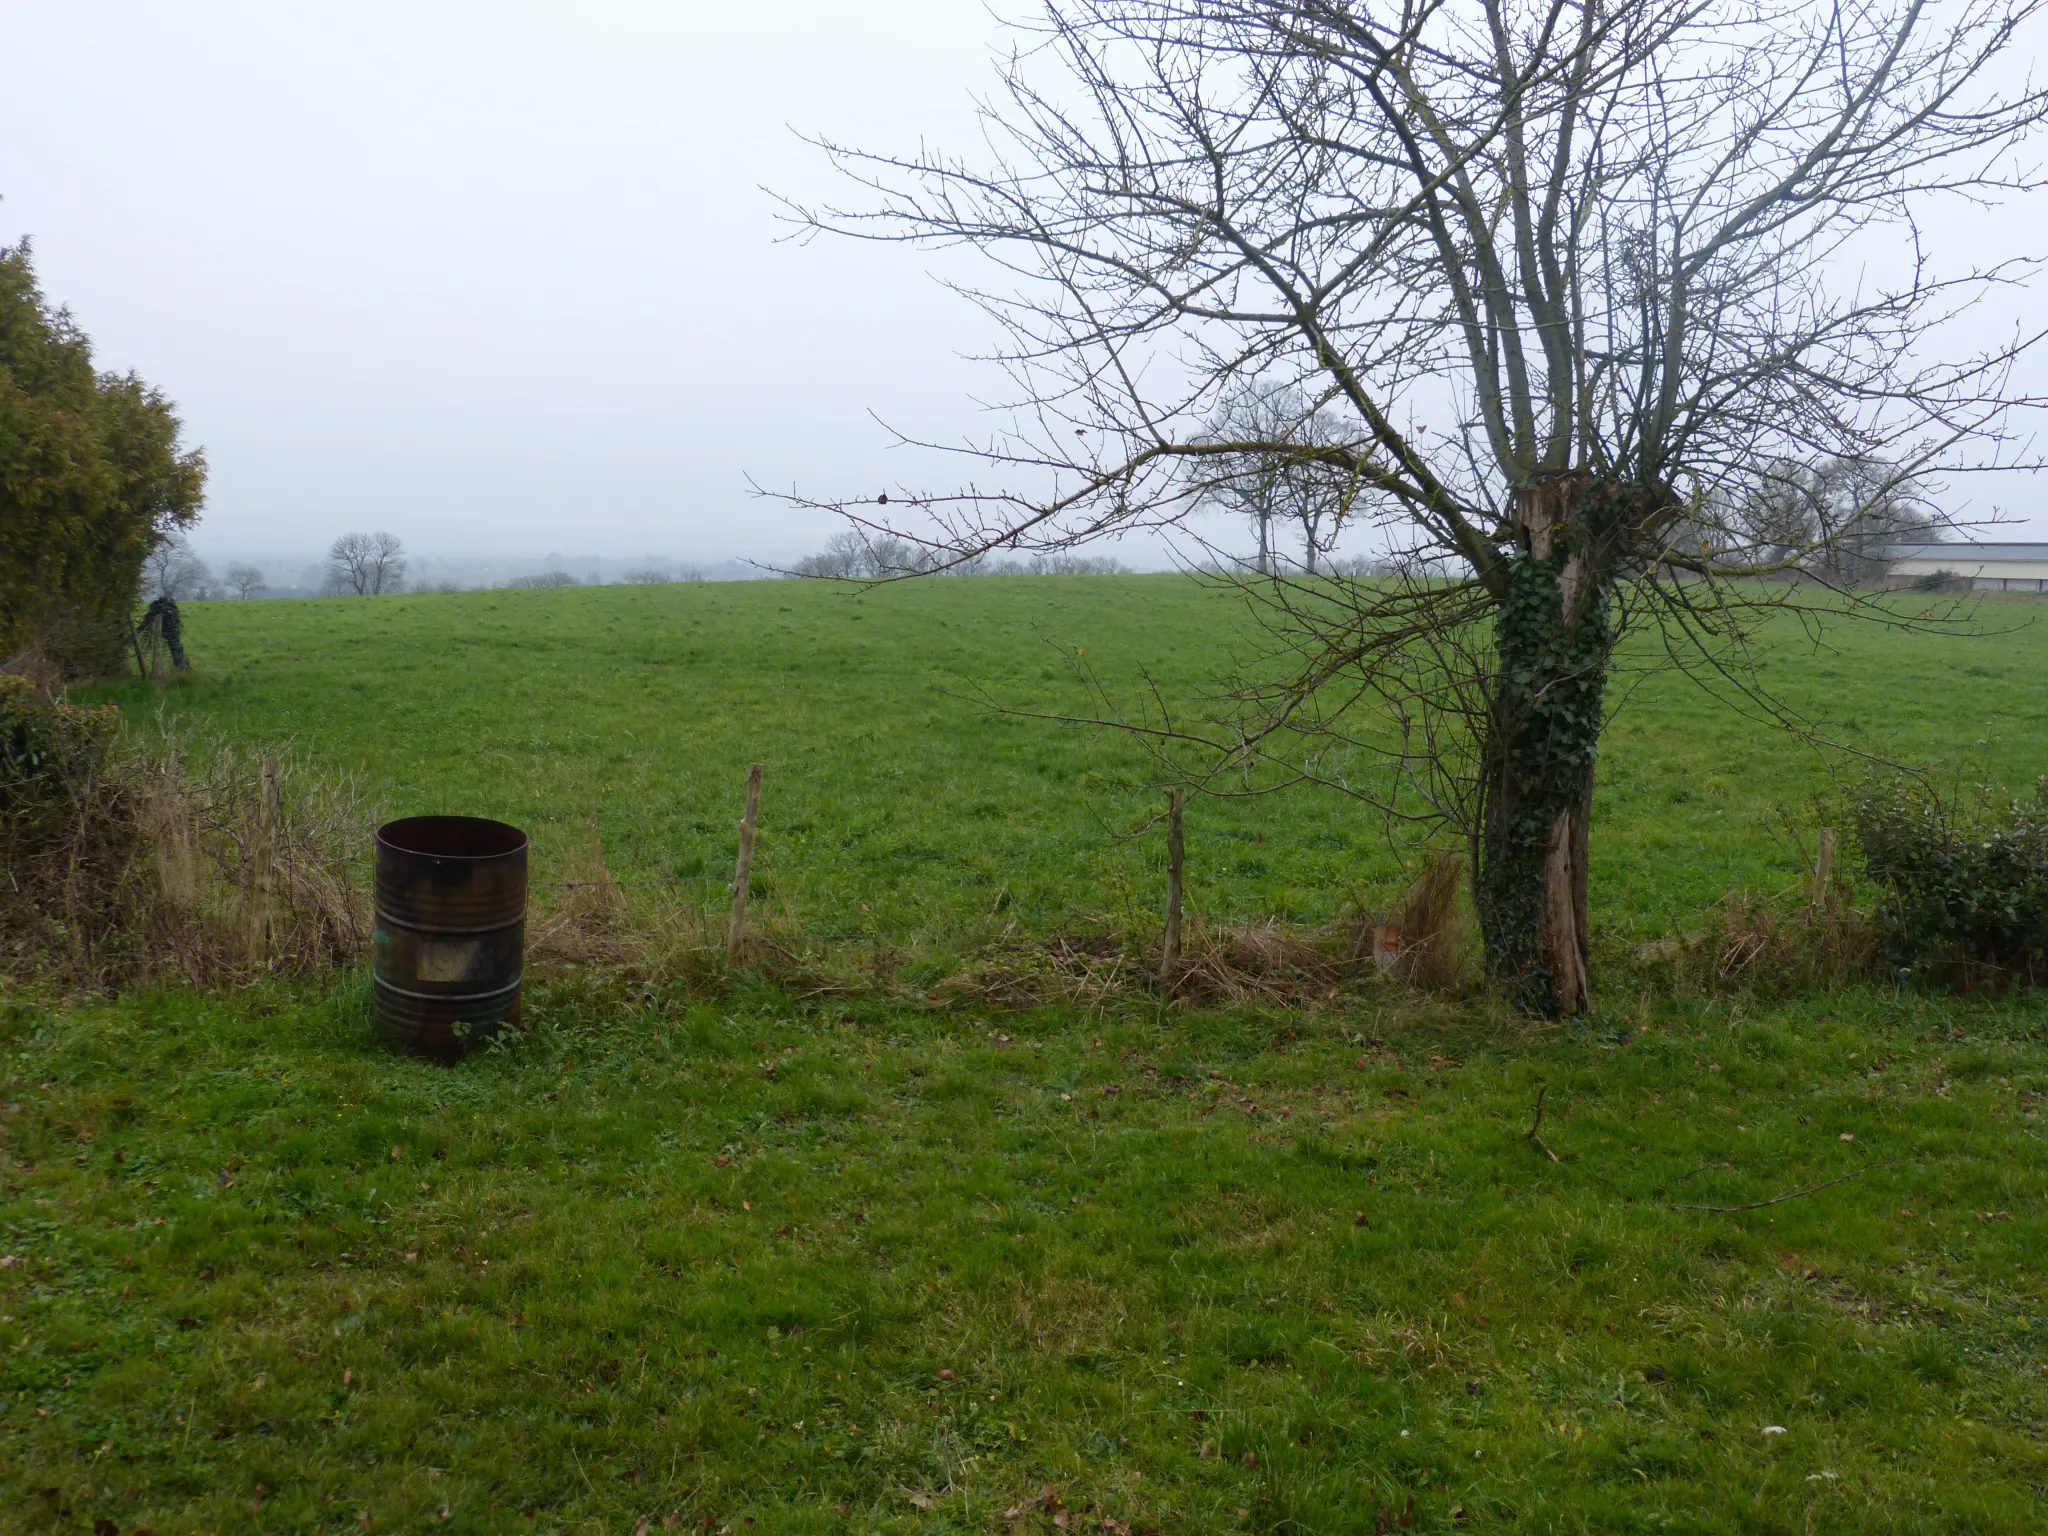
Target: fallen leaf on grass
(921, 1501)
(1047, 1498)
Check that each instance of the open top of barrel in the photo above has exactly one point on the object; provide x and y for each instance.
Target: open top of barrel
(451, 837)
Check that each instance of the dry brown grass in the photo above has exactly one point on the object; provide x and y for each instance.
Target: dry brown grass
(585, 923)
(130, 858)
(1424, 943)
(1263, 962)
(589, 918)
(1432, 925)
(1775, 946)
(1083, 969)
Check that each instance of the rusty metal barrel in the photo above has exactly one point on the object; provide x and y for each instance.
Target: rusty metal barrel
(451, 932)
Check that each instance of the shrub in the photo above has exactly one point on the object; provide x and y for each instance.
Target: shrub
(69, 835)
(92, 478)
(1963, 880)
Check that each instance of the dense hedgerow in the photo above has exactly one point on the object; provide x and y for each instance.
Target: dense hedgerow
(1962, 880)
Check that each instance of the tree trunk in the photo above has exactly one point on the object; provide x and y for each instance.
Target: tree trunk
(1265, 543)
(1553, 642)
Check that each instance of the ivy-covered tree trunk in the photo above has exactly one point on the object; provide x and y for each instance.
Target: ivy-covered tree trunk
(1553, 639)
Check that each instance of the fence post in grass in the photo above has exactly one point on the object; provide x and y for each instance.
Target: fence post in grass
(1824, 868)
(260, 876)
(1176, 862)
(736, 933)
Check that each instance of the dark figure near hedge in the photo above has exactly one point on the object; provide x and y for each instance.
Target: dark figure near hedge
(162, 616)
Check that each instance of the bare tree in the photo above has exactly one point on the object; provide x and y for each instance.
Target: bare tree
(245, 581)
(869, 555)
(366, 564)
(1299, 485)
(1599, 240)
(1836, 518)
(171, 570)
(544, 579)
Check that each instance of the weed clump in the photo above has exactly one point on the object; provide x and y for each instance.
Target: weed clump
(1775, 948)
(129, 861)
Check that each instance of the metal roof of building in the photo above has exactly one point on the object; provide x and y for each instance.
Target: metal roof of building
(1986, 554)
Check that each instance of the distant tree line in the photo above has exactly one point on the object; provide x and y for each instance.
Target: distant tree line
(852, 555)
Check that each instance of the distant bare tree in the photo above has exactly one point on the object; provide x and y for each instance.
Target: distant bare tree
(1837, 517)
(245, 581)
(1629, 253)
(171, 570)
(545, 579)
(366, 564)
(864, 555)
(1298, 485)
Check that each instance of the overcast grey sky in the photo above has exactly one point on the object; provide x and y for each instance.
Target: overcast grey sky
(500, 276)
(492, 275)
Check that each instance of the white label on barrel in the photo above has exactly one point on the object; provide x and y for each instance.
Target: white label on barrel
(446, 962)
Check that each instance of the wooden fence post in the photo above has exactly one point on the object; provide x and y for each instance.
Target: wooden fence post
(1824, 868)
(1176, 861)
(736, 934)
(260, 874)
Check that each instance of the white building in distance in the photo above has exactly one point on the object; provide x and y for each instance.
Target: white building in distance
(1992, 567)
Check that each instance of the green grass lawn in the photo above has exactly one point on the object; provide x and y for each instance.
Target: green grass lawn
(759, 1261)
(749, 1260)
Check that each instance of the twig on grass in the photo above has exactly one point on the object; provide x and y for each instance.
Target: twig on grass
(1537, 1124)
(1703, 1167)
(1797, 1194)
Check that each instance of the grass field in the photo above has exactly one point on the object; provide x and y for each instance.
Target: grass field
(748, 1260)
(897, 800)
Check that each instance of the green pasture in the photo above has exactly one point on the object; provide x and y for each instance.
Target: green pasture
(902, 798)
(753, 1258)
